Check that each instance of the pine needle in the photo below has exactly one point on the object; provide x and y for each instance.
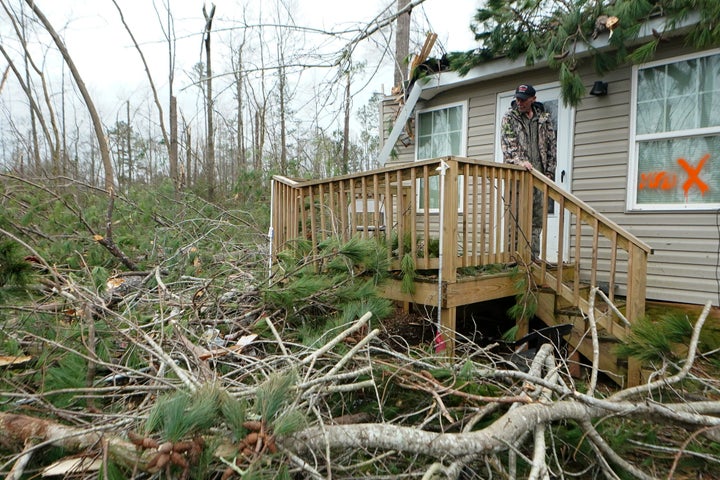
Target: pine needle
(234, 412)
(273, 394)
(407, 267)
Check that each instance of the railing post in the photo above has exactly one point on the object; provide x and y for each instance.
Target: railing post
(635, 308)
(448, 254)
(525, 213)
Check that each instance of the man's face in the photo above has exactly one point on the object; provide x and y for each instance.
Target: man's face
(524, 106)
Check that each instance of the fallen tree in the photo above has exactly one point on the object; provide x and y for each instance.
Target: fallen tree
(227, 372)
(519, 419)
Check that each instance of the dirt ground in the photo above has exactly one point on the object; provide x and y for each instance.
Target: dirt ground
(406, 329)
(481, 324)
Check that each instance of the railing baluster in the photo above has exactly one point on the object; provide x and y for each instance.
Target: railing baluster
(401, 215)
(465, 190)
(426, 215)
(561, 243)
(364, 200)
(291, 231)
(277, 219)
(595, 252)
(613, 264)
(578, 237)
(353, 208)
(485, 216)
(377, 205)
(475, 247)
(303, 213)
(321, 211)
(282, 222)
(342, 208)
(332, 210)
(388, 206)
(313, 229)
(509, 205)
(544, 232)
(494, 218)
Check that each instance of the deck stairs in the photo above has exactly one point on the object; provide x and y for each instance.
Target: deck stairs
(555, 310)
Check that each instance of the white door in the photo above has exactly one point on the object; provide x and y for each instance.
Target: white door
(549, 95)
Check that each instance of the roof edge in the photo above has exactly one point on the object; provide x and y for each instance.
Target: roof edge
(442, 81)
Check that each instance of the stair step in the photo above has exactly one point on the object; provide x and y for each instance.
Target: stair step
(569, 312)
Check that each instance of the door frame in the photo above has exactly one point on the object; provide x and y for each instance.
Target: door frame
(564, 117)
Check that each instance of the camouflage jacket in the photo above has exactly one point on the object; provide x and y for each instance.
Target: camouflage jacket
(515, 138)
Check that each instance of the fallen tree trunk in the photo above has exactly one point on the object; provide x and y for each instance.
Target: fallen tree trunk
(22, 430)
(497, 437)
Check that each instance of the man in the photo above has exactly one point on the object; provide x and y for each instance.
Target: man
(529, 139)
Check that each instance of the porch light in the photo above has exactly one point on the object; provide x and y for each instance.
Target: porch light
(599, 88)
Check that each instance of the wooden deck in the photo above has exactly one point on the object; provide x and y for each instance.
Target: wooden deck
(453, 214)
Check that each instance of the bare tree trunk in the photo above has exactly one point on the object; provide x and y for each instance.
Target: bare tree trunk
(346, 129)
(33, 126)
(210, 128)
(34, 108)
(188, 157)
(93, 164)
(64, 160)
(27, 58)
(257, 141)
(402, 42)
(283, 114)
(168, 141)
(97, 123)
(260, 114)
(36, 114)
(239, 78)
(128, 143)
(174, 172)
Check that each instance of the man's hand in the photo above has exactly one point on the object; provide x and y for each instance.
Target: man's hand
(528, 166)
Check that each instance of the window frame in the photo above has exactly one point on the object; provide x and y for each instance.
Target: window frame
(636, 139)
(463, 145)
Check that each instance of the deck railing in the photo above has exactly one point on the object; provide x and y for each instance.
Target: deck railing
(481, 216)
(598, 251)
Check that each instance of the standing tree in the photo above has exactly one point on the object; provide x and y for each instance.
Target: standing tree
(402, 41)
(210, 163)
(95, 117)
(237, 66)
(170, 142)
(36, 114)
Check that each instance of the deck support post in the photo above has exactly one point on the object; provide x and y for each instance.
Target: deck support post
(635, 308)
(525, 214)
(449, 253)
(523, 243)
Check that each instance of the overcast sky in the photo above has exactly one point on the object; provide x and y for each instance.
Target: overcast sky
(110, 65)
(103, 51)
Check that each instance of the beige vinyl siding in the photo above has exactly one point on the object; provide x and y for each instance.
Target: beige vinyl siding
(683, 266)
(401, 153)
(481, 126)
(686, 244)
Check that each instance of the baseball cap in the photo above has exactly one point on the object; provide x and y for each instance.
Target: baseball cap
(524, 91)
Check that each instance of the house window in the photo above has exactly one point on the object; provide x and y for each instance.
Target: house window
(441, 132)
(675, 162)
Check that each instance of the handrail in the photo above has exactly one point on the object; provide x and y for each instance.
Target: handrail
(539, 180)
(585, 246)
(395, 167)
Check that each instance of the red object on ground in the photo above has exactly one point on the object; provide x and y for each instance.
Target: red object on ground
(439, 343)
